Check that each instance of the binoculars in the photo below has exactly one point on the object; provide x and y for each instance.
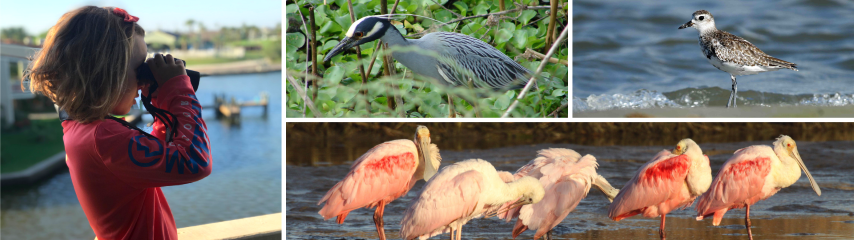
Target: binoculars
(144, 75)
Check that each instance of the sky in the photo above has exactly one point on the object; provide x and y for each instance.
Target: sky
(38, 16)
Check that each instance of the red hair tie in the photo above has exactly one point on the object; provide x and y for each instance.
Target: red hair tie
(123, 13)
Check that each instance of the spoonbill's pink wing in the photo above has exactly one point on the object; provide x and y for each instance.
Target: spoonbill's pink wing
(654, 183)
(561, 199)
(442, 203)
(740, 181)
(384, 173)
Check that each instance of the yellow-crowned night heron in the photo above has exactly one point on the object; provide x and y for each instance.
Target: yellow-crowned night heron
(463, 60)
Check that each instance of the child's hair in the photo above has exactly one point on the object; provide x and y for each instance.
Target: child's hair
(83, 63)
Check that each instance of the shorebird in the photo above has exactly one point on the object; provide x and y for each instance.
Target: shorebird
(383, 174)
(730, 53)
(464, 191)
(671, 180)
(753, 174)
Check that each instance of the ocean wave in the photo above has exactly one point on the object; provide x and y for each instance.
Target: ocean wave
(704, 97)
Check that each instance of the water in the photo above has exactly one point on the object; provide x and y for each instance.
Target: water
(246, 180)
(794, 211)
(630, 54)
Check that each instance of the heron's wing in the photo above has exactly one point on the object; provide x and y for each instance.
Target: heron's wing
(469, 59)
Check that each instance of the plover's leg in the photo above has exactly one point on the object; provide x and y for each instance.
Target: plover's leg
(732, 94)
(734, 90)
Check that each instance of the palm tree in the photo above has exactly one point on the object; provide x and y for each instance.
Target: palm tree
(190, 23)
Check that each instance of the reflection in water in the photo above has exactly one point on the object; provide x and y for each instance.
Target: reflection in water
(792, 212)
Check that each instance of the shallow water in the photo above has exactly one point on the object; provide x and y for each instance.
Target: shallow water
(630, 54)
(246, 180)
(794, 211)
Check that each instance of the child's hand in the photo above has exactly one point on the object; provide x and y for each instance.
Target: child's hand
(165, 68)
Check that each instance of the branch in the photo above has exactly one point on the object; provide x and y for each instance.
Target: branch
(302, 94)
(533, 80)
(518, 8)
(363, 91)
(530, 53)
(558, 109)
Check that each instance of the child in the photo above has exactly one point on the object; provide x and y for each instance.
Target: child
(88, 67)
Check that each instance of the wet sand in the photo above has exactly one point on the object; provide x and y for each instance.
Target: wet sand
(795, 212)
(723, 112)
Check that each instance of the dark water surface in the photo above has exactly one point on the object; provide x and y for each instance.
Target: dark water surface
(246, 180)
(795, 211)
(630, 54)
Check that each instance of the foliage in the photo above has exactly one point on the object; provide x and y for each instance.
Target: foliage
(13, 34)
(338, 93)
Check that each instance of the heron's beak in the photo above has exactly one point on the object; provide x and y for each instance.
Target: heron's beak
(814, 185)
(345, 44)
(688, 24)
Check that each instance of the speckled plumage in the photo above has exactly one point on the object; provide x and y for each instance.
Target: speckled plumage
(730, 53)
(730, 48)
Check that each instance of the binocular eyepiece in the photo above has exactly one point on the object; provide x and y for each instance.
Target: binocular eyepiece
(144, 75)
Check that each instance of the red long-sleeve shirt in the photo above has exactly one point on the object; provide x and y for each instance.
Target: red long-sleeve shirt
(117, 172)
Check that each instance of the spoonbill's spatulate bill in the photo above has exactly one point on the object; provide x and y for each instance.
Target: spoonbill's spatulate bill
(754, 173)
(383, 174)
(567, 178)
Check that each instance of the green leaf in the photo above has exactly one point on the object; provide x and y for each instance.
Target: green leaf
(462, 7)
(327, 94)
(327, 46)
(527, 15)
(558, 93)
(291, 8)
(481, 9)
(503, 36)
(333, 75)
(295, 40)
(520, 38)
(329, 28)
(504, 101)
(470, 29)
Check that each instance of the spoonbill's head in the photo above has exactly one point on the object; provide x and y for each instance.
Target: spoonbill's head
(426, 153)
(701, 20)
(534, 190)
(685, 146)
(366, 29)
(791, 151)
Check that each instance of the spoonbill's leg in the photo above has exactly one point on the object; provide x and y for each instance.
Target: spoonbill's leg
(661, 229)
(378, 220)
(747, 222)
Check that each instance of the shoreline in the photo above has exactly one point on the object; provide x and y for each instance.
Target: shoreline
(723, 112)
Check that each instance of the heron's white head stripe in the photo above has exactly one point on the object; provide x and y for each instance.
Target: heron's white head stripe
(377, 27)
(354, 25)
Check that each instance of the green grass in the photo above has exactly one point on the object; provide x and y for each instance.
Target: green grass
(26, 147)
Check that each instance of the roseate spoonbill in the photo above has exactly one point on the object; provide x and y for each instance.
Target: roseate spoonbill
(461, 192)
(671, 180)
(566, 179)
(383, 174)
(754, 173)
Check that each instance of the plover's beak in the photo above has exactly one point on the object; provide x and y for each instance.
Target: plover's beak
(688, 24)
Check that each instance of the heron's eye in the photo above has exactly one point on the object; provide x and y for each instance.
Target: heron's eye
(701, 18)
(359, 34)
